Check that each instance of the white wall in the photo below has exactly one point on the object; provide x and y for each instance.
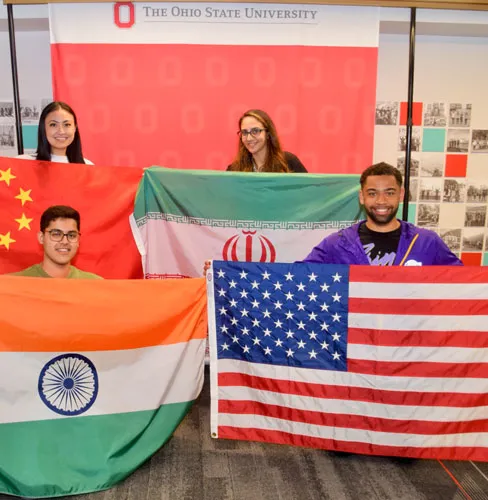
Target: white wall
(33, 64)
(33, 54)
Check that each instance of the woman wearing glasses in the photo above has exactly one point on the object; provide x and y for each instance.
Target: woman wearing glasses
(259, 147)
(58, 136)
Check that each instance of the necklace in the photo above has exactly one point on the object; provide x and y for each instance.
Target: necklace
(255, 167)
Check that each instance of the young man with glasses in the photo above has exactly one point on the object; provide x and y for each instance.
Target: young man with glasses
(60, 238)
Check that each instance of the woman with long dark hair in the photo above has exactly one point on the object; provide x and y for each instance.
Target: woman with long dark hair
(58, 136)
(259, 147)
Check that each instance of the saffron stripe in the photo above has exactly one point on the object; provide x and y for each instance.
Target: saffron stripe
(354, 393)
(96, 330)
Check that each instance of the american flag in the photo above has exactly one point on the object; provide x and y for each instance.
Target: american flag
(364, 359)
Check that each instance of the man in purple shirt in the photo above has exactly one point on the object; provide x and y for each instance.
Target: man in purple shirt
(383, 240)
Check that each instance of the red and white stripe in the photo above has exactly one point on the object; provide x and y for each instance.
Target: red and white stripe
(417, 379)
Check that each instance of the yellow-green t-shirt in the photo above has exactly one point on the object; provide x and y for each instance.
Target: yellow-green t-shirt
(37, 271)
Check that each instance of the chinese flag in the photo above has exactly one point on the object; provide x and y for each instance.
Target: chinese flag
(104, 196)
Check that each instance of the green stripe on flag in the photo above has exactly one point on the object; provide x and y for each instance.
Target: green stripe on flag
(247, 196)
(51, 458)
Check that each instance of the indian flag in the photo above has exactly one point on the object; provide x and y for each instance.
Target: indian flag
(165, 83)
(183, 217)
(94, 378)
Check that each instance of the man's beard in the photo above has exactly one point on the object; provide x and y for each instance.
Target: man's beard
(384, 220)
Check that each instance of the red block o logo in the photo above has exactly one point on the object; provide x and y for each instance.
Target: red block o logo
(121, 9)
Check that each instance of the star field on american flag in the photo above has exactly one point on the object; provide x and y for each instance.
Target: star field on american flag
(285, 314)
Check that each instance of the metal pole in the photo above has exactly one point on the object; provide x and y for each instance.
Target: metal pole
(408, 143)
(15, 79)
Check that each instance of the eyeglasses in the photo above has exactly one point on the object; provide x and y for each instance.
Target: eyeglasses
(252, 131)
(58, 235)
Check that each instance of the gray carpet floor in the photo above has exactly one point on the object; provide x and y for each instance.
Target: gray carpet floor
(192, 465)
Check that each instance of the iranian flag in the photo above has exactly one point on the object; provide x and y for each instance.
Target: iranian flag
(183, 217)
(104, 197)
(94, 378)
(165, 83)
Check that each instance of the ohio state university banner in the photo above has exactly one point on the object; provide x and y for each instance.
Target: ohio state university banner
(165, 83)
(184, 217)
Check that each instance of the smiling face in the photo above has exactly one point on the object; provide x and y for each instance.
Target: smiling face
(380, 197)
(255, 145)
(59, 253)
(60, 130)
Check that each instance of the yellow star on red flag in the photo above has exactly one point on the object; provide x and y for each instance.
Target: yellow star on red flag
(6, 176)
(6, 240)
(24, 222)
(24, 196)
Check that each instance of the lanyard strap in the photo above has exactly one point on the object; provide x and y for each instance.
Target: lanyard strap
(409, 249)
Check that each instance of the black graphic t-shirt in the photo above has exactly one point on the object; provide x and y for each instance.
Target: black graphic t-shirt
(380, 248)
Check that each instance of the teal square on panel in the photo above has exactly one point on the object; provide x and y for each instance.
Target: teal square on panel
(29, 134)
(412, 212)
(485, 259)
(434, 140)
